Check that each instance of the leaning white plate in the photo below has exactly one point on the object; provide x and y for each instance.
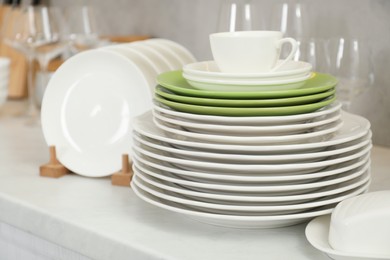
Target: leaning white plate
(185, 55)
(231, 220)
(252, 120)
(317, 232)
(211, 70)
(88, 108)
(353, 128)
(166, 52)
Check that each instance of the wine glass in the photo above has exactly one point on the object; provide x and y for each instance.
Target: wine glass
(239, 15)
(351, 63)
(315, 52)
(36, 32)
(81, 31)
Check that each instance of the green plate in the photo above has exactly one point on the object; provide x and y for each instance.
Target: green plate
(271, 102)
(174, 81)
(245, 111)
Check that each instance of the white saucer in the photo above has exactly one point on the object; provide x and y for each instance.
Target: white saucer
(88, 108)
(209, 69)
(317, 232)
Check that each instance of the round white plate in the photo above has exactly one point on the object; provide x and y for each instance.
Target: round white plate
(231, 220)
(255, 187)
(184, 54)
(167, 53)
(87, 111)
(250, 158)
(159, 60)
(210, 69)
(144, 66)
(246, 85)
(353, 128)
(207, 128)
(292, 168)
(317, 232)
(243, 209)
(252, 120)
(238, 177)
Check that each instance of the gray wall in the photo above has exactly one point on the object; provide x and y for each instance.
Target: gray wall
(189, 22)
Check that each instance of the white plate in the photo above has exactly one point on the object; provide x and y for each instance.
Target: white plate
(251, 187)
(207, 128)
(211, 70)
(87, 111)
(144, 66)
(317, 232)
(167, 53)
(246, 85)
(158, 61)
(251, 158)
(252, 120)
(238, 177)
(292, 168)
(184, 54)
(353, 128)
(143, 183)
(231, 220)
(320, 133)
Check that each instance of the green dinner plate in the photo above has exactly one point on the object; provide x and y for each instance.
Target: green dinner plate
(271, 102)
(245, 111)
(174, 81)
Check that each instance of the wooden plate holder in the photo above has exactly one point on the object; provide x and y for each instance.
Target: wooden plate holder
(54, 169)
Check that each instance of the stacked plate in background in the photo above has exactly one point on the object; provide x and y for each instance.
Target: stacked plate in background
(4, 78)
(92, 98)
(249, 159)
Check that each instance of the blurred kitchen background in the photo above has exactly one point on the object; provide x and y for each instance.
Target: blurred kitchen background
(189, 22)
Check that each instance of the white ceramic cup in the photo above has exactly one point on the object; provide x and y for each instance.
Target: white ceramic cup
(250, 51)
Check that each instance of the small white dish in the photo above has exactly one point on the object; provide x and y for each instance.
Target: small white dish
(211, 84)
(209, 69)
(317, 233)
(88, 108)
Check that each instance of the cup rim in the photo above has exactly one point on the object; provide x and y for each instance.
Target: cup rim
(247, 34)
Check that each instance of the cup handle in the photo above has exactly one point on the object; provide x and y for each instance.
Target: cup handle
(294, 48)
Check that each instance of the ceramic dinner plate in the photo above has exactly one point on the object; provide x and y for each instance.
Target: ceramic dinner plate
(175, 82)
(184, 55)
(247, 121)
(210, 69)
(353, 127)
(271, 102)
(211, 84)
(88, 108)
(317, 232)
(248, 130)
(246, 111)
(231, 220)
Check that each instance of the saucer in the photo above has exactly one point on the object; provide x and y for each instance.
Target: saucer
(210, 69)
(317, 234)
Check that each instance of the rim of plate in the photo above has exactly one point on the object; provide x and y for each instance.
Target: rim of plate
(184, 53)
(167, 52)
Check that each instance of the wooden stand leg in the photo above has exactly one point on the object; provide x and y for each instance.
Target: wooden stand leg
(53, 168)
(123, 177)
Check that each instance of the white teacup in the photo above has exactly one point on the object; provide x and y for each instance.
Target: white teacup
(249, 51)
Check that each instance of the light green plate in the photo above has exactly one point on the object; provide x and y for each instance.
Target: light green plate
(174, 81)
(271, 102)
(245, 111)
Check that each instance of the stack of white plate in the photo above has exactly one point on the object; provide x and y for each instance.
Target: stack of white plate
(4, 78)
(228, 166)
(92, 98)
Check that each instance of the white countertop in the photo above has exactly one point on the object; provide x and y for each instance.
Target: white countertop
(101, 221)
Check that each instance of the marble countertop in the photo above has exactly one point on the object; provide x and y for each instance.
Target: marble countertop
(101, 221)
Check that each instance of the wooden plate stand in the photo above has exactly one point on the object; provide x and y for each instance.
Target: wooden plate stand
(54, 169)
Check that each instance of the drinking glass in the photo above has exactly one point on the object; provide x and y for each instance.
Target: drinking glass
(36, 32)
(81, 31)
(351, 63)
(315, 52)
(239, 15)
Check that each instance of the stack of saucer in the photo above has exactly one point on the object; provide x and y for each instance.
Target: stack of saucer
(249, 159)
(4, 78)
